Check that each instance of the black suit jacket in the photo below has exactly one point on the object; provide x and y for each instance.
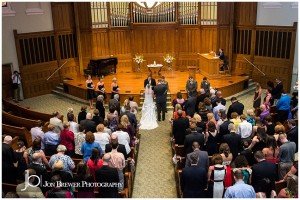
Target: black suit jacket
(107, 175)
(115, 103)
(81, 116)
(278, 90)
(235, 107)
(224, 129)
(261, 170)
(152, 82)
(160, 93)
(193, 137)
(292, 135)
(190, 105)
(88, 125)
(178, 129)
(234, 142)
(121, 149)
(8, 160)
(193, 182)
(100, 107)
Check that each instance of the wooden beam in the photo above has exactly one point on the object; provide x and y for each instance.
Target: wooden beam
(78, 36)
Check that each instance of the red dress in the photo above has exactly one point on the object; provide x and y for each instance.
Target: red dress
(228, 177)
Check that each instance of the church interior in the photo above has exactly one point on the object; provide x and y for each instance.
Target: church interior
(61, 49)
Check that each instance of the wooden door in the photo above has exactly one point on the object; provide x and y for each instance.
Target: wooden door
(7, 88)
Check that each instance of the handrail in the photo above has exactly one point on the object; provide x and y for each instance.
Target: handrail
(56, 71)
(254, 66)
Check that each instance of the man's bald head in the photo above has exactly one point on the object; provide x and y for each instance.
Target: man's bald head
(106, 159)
(114, 137)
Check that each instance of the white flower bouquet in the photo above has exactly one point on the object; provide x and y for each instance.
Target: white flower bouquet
(168, 58)
(138, 58)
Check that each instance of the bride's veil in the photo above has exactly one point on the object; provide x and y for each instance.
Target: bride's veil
(148, 93)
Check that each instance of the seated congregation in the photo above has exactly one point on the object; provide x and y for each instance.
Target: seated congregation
(89, 156)
(219, 154)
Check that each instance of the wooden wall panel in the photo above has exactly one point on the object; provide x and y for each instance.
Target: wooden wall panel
(245, 13)
(63, 16)
(34, 79)
(224, 36)
(119, 42)
(84, 12)
(86, 47)
(70, 69)
(224, 10)
(208, 39)
(100, 43)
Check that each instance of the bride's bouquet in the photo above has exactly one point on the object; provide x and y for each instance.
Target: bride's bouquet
(138, 58)
(168, 58)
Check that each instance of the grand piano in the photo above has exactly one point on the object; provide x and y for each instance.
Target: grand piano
(104, 66)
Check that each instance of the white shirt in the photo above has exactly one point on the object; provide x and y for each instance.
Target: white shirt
(102, 139)
(57, 123)
(36, 132)
(123, 138)
(74, 127)
(244, 129)
(216, 110)
(16, 78)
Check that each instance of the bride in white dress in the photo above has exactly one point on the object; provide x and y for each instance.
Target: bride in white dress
(148, 120)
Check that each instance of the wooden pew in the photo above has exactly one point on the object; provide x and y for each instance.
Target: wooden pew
(25, 112)
(21, 132)
(178, 177)
(14, 120)
(7, 187)
(179, 150)
(9, 106)
(180, 162)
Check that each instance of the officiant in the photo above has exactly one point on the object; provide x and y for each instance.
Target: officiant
(151, 81)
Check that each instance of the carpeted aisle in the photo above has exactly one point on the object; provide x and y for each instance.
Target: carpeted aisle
(155, 171)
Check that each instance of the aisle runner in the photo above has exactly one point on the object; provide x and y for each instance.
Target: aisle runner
(155, 172)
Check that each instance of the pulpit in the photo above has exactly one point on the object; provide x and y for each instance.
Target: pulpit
(192, 71)
(209, 65)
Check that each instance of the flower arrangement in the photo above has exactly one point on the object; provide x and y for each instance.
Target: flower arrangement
(138, 58)
(168, 58)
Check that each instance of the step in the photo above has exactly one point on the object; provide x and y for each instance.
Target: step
(250, 89)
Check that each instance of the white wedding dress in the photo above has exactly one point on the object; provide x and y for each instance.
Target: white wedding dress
(148, 120)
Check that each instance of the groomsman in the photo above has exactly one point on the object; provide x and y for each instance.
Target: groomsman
(163, 81)
(150, 81)
(161, 99)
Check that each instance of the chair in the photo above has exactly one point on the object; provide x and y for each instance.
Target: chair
(280, 185)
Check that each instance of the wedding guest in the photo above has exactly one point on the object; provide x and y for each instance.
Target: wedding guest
(82, 114)
(87, 147)
(257, 96)
(73, 126)
(67, 139)
(178, 100)
(100, 106)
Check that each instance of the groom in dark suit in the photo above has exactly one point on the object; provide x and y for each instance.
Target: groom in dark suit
(150, 81)
(161, 99)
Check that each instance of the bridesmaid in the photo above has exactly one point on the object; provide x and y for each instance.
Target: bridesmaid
(101, 88)
(90, 90)
(257, 96)
(114, 88)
